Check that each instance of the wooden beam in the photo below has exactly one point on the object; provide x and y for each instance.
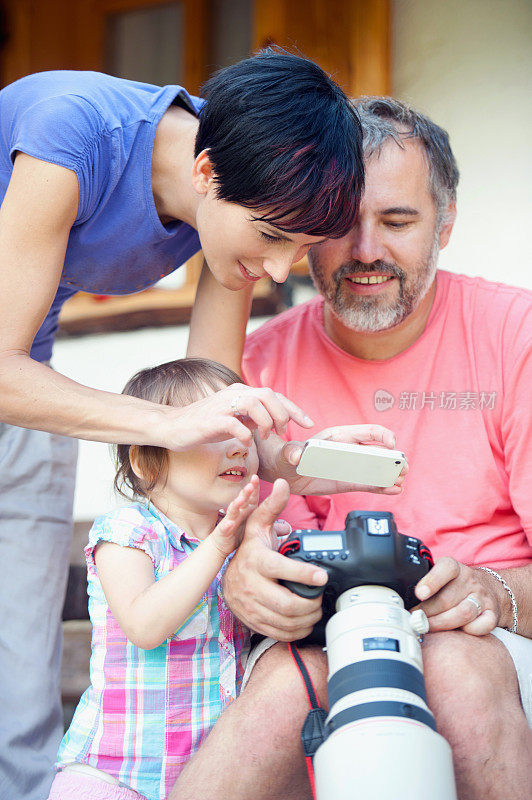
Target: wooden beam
(350, 39)
(85, 313)
(269, 23)
(197, 44)
(369, 46)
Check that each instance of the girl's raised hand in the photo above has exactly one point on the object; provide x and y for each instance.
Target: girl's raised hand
(227, 535)
(233, 412)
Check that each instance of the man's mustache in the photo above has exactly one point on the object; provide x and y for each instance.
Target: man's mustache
(359, 267)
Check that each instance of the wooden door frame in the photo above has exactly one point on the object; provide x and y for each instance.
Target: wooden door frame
(67, 34)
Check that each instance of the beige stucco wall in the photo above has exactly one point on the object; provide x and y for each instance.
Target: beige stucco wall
(468, 65)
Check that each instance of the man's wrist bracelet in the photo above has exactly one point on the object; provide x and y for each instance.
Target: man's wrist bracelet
(511, 595)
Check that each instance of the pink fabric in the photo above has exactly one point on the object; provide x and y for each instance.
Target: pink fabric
(458, 399)
(75, 786)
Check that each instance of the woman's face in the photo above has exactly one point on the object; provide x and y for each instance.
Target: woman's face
(239, 248)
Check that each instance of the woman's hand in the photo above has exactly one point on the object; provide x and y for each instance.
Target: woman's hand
(234, 412)
(228, 533)
(285, 457)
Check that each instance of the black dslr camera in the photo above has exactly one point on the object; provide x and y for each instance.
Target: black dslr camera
(369, 551)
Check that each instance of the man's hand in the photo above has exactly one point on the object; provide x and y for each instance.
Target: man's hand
(279, 458)
(456, 596)
(250, 585)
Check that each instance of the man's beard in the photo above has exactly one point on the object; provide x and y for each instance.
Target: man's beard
(370, 314)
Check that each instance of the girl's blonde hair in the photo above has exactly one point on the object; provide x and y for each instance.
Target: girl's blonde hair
(176, 383)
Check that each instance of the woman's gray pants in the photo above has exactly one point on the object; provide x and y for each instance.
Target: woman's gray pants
(37, 477)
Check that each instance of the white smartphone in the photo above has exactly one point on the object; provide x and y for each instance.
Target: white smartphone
(352, 463)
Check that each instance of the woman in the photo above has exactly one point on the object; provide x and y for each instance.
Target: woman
(106, 186)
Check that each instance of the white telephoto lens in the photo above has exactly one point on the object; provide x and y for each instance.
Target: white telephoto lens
(383, 743)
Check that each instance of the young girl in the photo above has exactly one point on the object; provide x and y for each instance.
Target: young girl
(167, 654)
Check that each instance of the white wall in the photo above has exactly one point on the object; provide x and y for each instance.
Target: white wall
(107, 362)
(468, 65)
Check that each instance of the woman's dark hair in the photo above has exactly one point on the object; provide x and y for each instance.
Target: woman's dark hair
(176, 383)
(284, 139)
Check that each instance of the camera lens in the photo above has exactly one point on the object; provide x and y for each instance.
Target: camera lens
(378, 711)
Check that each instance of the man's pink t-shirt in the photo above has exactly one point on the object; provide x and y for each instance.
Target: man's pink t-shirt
(459, 401)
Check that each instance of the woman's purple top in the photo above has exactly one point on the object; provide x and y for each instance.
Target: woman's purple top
(102, 128)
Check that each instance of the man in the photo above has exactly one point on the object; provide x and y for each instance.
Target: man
(445, 361)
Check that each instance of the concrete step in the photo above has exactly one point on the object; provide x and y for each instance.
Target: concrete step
(74, 664)
(77, 630)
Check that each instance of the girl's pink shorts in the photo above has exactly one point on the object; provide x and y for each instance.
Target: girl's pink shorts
(74, 785)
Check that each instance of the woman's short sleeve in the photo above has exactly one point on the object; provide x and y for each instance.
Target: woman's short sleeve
(68, 131)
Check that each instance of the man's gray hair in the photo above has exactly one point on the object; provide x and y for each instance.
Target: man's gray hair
(384, 117)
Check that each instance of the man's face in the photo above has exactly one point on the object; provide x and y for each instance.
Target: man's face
(377, 275)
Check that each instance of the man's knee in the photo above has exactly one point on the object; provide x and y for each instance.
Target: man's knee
(276, 678)
(468, 677)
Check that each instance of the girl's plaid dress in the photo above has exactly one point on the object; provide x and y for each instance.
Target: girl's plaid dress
(147, 711)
